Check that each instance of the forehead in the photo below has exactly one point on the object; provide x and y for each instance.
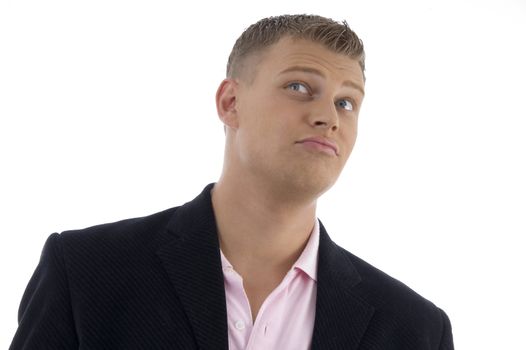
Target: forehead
(289, 52)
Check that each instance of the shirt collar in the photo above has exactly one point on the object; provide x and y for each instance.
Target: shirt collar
(308, 260)
(225, 264)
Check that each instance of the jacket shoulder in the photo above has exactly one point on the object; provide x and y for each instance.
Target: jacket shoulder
(132, 233)
(127, 239)
(397, 306)
(385, 291)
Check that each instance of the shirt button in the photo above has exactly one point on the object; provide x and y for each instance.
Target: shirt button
(240, 325)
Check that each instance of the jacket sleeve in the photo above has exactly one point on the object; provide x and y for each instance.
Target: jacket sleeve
(45, 318)
(447, 336)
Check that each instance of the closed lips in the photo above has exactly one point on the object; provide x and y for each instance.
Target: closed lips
(322, 141)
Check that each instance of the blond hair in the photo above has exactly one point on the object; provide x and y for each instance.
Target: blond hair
(337, 37)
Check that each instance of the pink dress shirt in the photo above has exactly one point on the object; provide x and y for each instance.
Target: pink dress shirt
(286, 317)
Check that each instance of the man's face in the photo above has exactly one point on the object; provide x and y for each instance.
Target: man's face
(297, 118)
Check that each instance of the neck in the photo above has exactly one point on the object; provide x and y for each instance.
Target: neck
(258, 229)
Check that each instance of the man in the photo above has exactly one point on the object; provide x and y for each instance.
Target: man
(246, 264)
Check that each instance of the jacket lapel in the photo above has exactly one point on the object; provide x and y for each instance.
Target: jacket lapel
(193, 262)
(341, 315)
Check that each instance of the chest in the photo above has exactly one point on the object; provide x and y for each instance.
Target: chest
(270, 313)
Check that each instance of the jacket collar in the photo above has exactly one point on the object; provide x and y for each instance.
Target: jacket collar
(342, 316)
(193, 262)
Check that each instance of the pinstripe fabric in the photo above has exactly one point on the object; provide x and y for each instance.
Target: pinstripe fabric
(156, 283)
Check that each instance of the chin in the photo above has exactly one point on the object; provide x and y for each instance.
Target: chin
(298, 179)
(307, 187)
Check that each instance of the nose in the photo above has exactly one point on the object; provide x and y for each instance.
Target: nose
(324, 116)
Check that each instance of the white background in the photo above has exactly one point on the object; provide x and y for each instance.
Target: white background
(107, 112)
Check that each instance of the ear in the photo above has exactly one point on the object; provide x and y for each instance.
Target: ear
(226, 100)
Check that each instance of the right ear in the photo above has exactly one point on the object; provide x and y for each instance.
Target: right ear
(226, 100)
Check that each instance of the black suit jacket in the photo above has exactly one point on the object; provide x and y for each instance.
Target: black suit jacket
(156, 283)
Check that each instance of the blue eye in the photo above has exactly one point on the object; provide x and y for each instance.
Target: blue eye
(345, 104)
(298, 87)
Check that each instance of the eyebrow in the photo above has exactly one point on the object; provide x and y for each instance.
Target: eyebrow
(314, 71)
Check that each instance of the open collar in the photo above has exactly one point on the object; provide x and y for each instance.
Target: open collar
(192, 260)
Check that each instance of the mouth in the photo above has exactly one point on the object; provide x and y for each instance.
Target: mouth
(321, 144)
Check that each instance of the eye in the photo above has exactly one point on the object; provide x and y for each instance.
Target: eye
(345, 104)
(299, 87)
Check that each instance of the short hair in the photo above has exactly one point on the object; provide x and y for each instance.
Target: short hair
(335, 36)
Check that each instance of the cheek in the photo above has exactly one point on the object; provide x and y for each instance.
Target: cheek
(349, 134)
(277, 120)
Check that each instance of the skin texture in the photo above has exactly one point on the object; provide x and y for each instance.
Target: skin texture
(265, 200)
